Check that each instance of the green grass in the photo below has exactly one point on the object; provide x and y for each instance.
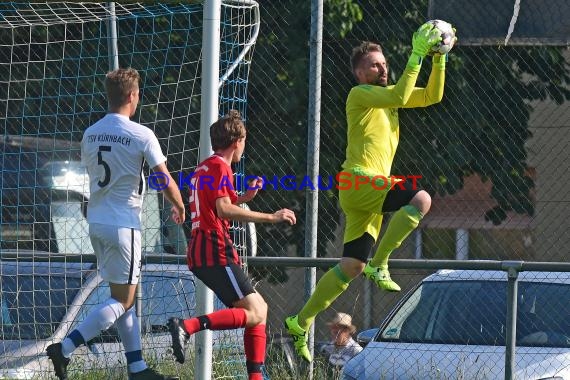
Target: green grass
(277, 368)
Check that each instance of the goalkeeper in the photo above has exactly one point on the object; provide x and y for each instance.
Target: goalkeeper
(372, 137)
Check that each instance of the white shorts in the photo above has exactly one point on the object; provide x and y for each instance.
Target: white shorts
(118, 251)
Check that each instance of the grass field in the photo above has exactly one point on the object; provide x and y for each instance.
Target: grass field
(321, 372)
(277, 368)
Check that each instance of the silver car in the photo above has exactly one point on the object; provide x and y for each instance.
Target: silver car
(453, 326)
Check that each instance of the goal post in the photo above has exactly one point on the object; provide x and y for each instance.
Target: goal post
(218, 97)
(209, 114)
(53, 60)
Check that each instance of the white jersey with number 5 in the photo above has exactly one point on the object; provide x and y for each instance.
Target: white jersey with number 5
(114, 150)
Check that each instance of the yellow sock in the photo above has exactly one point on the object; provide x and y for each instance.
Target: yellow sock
(404, 221)
(329, 287)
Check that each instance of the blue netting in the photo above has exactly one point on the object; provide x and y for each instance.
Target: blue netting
(53, 60)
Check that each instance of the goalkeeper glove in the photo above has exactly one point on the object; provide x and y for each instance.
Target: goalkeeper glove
(425, 38)
(441, 59)
(422, 41)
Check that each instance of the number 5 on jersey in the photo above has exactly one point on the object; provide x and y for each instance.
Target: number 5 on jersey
(100, 161)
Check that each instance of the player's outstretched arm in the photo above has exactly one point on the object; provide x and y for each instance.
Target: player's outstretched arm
(227, 210)
(433, 92)
(172, 193)
(398, 96)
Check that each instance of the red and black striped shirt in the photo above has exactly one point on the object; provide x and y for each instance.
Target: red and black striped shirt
(210, 243)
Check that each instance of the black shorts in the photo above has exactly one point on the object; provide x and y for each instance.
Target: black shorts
(359, 248)
(230, 283)
(398, 197)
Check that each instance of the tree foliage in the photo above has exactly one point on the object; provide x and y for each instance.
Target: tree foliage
(480, 127)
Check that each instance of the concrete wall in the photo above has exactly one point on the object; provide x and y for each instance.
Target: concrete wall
(549, 153)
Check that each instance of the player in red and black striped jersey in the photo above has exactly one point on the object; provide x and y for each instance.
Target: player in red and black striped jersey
(211, 254)
(211, 244)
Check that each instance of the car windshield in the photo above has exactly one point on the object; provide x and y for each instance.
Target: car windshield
(28, 310)
(474, 312)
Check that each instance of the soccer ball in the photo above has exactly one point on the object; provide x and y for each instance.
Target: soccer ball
(447, 37)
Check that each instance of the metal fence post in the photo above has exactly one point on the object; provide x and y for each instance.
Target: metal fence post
(512, 268)
(314, 117)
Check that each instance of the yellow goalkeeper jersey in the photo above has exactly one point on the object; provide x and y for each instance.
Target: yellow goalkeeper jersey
(372, 117)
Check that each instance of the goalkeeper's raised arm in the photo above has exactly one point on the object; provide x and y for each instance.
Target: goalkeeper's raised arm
(370, 69)
(433, 92)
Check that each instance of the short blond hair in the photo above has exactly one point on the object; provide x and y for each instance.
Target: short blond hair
(119, 84)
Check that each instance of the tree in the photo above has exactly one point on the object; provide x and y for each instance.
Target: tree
(480, 127)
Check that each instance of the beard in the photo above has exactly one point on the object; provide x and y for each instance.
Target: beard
(381, 82)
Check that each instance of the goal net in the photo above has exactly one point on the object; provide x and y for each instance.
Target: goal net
(53, 60)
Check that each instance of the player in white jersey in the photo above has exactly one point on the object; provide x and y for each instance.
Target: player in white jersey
(114, 150)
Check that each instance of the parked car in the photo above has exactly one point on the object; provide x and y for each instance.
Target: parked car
(41, 302)
(453, 326)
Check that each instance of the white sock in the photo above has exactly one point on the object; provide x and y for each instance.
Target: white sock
(67, 347)
(101, 319)
(128, 326)
(98, 320)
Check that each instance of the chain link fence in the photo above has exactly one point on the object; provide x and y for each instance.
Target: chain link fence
(493, 154)
(473, 319)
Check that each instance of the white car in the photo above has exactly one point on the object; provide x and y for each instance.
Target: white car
(41, 302)
(453, 326)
